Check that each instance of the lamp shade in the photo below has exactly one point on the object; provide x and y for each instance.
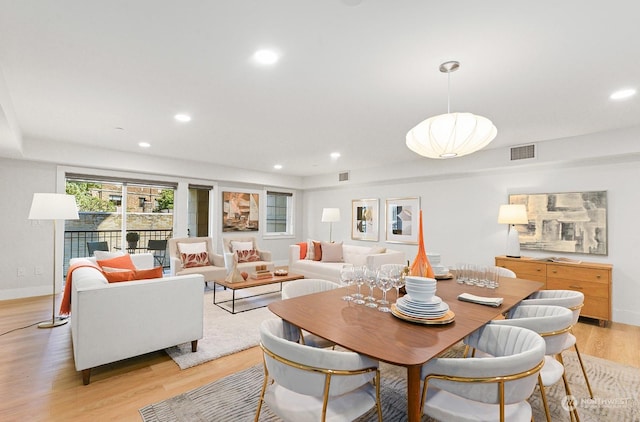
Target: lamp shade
(451, 135)
(53, 206)
(512, 214)
(330, 215)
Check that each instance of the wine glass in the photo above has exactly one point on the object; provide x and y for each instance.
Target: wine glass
(370, 277)
(397, 278)
(346, 276)
(358, 277)
(384, 282)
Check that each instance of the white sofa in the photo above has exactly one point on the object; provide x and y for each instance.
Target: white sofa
(115, 321)
(352, 254)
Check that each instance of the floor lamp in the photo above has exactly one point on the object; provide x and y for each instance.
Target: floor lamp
(513, 214)
(53, 206)
(330, 215)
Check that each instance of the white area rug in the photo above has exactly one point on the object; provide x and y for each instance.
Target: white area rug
(225, 333)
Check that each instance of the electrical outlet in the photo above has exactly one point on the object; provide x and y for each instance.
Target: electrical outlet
(22, 271)
(37, 270)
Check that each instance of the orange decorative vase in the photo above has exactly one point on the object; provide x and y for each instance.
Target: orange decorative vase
(421, 266)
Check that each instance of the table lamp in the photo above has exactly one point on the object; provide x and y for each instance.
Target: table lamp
(53, 206)
(513, 214)
(330, 215)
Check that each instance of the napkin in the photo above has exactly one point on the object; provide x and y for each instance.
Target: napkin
(489, 301)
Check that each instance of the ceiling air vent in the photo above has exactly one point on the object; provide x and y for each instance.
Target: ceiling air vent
(343, 177)
(523, 152)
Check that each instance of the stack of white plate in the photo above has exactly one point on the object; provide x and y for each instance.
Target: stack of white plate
(431, 309)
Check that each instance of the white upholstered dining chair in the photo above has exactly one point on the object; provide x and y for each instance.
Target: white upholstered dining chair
(485, 389)
(303, 383)
(303, 287)
(572, 300)
(553, 324)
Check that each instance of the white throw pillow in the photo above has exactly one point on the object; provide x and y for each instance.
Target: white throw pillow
(310, 251)
(192, 248)
(241, 246)
(332, 252)
(377, 250)
(102, 255)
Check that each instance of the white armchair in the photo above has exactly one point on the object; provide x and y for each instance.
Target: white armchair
(486, 389)
(303, 383)
(245, 243)
(303, 287)
(572, 300)
(214, 271)
(553, 324)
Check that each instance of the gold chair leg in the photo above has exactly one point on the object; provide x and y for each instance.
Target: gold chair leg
(584, 371)
(573, 412)
(544, 399)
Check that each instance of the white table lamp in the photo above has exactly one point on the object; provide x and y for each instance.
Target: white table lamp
(330, 215)
(513, 214)
(53, 206)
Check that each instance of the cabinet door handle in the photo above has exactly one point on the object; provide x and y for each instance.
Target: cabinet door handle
(598, 276)
(576, 287)
(538, 269)
(554, 271)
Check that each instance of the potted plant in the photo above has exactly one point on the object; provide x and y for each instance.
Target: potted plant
(132, 239)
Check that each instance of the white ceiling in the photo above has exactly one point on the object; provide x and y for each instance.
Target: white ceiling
(354, 76)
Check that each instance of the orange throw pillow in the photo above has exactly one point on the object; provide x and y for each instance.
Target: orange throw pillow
(303, 250)
(123, 261)
(191, 260)
(317, 251)
(120, 276)
(148, 274)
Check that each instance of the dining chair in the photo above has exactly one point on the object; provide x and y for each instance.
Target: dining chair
(303, 383)
(97, 246)
(553, 324)
(485, 389)
(573, 300)
(303, 287)
(159, 250)
(505, 272)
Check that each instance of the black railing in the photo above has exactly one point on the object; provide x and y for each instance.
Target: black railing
(75, 242)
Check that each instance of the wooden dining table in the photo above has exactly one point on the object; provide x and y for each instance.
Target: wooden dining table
(385, 337)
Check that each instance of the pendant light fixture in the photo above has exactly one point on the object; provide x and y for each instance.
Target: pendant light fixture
(452, 134)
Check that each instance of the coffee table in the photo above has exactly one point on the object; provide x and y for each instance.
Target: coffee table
(239, 285)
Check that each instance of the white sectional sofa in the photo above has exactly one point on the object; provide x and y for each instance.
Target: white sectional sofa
(352, 254)
(115, 321)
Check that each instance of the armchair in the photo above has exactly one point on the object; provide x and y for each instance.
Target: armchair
(246, 245)
(214, 271)
(303, 383)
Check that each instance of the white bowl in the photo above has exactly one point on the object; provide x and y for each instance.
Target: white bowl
(421, 281)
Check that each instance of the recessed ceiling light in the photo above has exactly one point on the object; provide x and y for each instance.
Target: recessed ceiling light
(622, 94)
(144, 144)
(265, 56)
(335, 155)
(277, 166)
(184, 118)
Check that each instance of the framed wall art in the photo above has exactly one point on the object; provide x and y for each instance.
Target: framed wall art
(402, 220)
(572, 222)
(240, 211)
(365, 220)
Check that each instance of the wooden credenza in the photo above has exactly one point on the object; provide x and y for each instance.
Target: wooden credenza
(592, 279)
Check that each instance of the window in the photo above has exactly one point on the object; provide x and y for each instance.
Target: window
(279, 213)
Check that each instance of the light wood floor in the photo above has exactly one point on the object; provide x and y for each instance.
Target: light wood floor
(38, 381)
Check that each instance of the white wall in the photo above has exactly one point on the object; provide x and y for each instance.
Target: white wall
(26, 244)
(460, 199)
(460, 215)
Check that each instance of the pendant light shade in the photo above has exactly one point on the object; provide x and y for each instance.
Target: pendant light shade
(452, 134)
